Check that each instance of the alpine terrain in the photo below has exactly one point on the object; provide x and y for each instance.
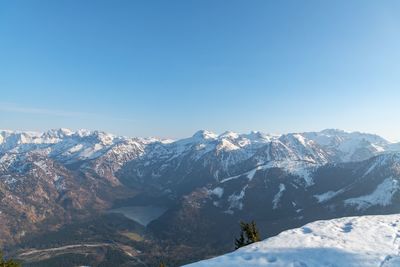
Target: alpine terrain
(366, 241)
(92, 198)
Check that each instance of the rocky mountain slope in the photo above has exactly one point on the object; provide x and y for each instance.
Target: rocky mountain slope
(208, 182)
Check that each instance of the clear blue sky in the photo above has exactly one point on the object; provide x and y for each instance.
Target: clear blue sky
(169, 68)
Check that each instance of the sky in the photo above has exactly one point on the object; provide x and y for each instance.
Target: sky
(169, 68)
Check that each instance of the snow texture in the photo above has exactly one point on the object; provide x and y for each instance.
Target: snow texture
(366, 241)
(382, 196)
(218, 191)
(327, 196)
(278, 196)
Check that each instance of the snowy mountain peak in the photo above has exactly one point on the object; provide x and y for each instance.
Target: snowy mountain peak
(204, 135)
(229, 148)
(340, 134)
(229, 135)
(256, 135)
(58, 133)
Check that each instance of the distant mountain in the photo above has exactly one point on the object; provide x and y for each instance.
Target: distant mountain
(353, 241)
(207, 182)
(208, 158)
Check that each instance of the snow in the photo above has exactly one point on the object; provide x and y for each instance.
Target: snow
(229, 134)
(366, 241)
(230, 148)
(371, 168)
(327, 196)
(383, 160)
(227, 146)
(204, 134)
(302, 169)
(69, 146)
(301, 139)
(378, 148)
(382, 195)
(218, 191)
(351, 146)
(235, 200)
(250, 174)
(76, 148)
(298, 154)
(278, 196)
(230, 178)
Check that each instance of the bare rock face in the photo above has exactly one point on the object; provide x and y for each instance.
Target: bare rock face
(37, 192)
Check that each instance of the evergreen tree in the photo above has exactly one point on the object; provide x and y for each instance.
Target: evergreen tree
(252, 233)
(248, 234)
(8, 263)
(239, 242)
(162, 264)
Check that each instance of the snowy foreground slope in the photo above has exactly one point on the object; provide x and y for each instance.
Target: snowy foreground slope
(364, 241)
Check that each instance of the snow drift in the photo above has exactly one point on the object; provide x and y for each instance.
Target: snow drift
(366, 241)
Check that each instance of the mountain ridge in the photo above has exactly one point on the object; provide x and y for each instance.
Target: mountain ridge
(206, 182)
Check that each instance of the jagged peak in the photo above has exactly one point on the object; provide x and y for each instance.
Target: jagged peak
(204, 134)
(58, 133)
(229, 134)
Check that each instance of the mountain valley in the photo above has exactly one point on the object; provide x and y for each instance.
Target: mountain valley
(80, 195)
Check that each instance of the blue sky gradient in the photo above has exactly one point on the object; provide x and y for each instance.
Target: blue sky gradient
(169, 68)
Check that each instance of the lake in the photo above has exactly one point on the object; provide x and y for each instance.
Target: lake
(140, 214)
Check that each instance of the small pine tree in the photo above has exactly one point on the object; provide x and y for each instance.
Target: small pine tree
(248, 234)
(8, 263)
(252, 232)
(162, 264)
(239, 242)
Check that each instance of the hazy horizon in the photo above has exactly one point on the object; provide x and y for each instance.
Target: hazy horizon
(191, 134)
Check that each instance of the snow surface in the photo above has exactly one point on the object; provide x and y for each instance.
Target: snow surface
(235, 200)
(218, 191)
(366, 241)
(302, 169)
(327, 196)
(382, 195)
(278, 196)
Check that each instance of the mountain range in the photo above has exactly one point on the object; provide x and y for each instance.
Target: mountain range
(60, 181)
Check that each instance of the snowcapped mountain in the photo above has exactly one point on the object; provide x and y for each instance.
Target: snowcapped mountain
(228, 148)
(227, 162)
(208, 181)
(206, 157)
(220, 163)
(68, 146)
(353, 242)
